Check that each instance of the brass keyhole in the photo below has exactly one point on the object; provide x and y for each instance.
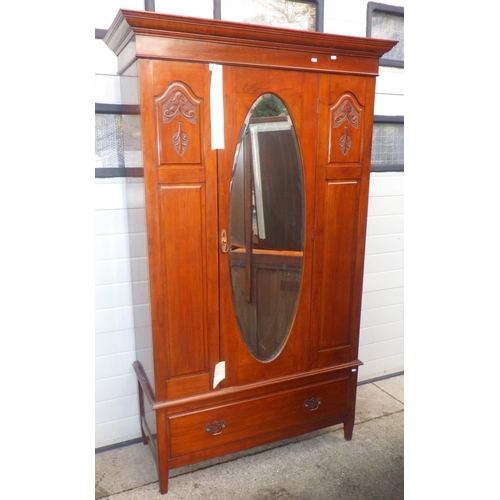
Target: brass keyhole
(224, 245)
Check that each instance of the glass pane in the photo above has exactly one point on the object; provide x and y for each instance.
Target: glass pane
(266, 227)
(280, 13)
(109, 141)
(117, 141)
(388, 144)
(391, 27)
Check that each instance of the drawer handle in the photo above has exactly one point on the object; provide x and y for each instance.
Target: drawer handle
(215, 428)
(312, 404)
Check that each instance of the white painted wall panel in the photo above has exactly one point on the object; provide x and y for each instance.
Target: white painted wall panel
(110, 194)
(381, 298)
(121, 251)
(384, 224)
(382, 334)
(111, 222)
(122, 305)
(117, 431)
(383, 262)
(112, 342)
(390, 81)
(115, 387)
(389, 105)
(385, 205)
(381, 315)
(385, 365)
(108, 272)
(386, 242)
(116, 409)
(107, 89)
(383, 280)
(104, 58)
(114, 365)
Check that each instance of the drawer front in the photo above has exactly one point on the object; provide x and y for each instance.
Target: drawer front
(213, 427)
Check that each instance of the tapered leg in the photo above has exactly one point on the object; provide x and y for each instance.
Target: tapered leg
(161, 428)
(351, 412)
(348, 429)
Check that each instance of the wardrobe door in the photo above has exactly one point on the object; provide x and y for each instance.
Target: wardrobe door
(266, 180)
(342, 177)
(181, 209)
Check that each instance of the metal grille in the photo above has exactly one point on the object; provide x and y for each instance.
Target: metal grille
(388, 144)
(390, 26)
(109, 141)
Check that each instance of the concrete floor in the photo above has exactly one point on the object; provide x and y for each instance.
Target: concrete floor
(316, 466)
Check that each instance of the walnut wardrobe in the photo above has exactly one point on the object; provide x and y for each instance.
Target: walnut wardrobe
(256, 149)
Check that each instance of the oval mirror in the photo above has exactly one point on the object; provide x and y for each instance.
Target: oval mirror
(266, 226)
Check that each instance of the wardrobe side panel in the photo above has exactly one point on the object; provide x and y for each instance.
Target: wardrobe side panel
(341, 189)
(181, 180)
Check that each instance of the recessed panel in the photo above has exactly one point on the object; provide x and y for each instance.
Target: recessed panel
(179, 126)
(346, 131)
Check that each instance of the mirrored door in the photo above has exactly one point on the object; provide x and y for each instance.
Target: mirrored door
(266, 181)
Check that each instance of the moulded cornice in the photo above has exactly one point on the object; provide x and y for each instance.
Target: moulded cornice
(129, 23)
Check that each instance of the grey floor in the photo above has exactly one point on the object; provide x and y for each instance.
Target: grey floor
(315, 466)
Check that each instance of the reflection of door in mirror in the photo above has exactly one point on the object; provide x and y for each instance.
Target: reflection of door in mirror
(266, 227)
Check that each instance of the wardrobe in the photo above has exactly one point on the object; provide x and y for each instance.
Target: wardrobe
(256, 149)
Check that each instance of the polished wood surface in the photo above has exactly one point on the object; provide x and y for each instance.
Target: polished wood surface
(327, 83)
(242, 87)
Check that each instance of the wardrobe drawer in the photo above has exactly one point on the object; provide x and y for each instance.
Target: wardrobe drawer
(218, 426)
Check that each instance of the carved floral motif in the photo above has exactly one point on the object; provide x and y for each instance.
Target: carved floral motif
(345, 141)
(346, 112)
(180, 140)
(178, 104)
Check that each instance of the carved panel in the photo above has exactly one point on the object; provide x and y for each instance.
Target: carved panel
(346, 131)
(179, 124)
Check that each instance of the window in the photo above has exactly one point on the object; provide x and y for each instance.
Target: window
(387, 21)
(117, 141)
(296, 14)
(388, 144)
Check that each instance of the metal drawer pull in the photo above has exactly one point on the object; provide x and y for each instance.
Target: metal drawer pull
(312, 404)
(215, 428)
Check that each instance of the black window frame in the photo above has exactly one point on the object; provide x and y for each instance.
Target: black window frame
(117, 109)
(389, 167)
(388, 9)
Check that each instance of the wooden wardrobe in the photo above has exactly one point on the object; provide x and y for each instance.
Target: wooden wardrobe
(256, 149)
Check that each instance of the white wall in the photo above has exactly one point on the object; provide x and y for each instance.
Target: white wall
(382, 335)
(119, 215)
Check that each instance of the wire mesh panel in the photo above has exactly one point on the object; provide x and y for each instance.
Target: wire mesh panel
(117, 141)
(388, 144)
(389, 26)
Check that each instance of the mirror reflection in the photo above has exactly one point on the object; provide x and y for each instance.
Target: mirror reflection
(266, 227)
